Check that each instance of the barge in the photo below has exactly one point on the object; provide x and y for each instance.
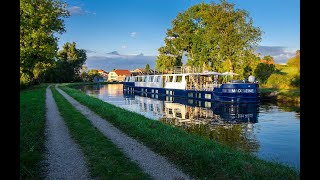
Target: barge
(205, 86)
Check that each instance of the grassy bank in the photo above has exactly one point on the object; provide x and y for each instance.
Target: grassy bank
(283, 95)
(32, 125)
(201, 158)
(105, 160)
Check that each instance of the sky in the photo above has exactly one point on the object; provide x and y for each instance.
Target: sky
(134, 29)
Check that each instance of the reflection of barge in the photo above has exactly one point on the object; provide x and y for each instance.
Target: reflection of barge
(202, 86)
(183, 108)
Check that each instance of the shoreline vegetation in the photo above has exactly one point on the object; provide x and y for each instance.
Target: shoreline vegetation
(201, 158)
(281, 95)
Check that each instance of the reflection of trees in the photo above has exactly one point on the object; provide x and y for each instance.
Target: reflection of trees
(289, 106)
(284, 106)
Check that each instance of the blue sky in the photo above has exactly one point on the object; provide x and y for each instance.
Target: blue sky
(132, 27)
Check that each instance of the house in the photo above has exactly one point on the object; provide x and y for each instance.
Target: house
(118, 75)
(103, 74)
(138, 72)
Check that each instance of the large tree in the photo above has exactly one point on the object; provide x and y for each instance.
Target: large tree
(69, 63)
(147, 69)
(215, 36)
(40, 22)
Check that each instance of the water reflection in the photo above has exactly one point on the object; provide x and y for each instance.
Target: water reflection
(229, 124)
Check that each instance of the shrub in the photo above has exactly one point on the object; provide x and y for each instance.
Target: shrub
(296, 81)
(279, 81)
(25, 80)
(263, 72)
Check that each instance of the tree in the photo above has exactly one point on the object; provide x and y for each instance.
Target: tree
(147, 69)
(212, 35)
(92, 73)
(40, 21)
(70, 61)
(269, 59)
(264, 71)
(295, 61)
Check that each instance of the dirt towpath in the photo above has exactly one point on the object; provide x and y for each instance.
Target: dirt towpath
(153, 164)
(64, 159)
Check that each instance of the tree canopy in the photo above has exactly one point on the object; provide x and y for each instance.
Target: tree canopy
(147, 68)
(40, 21)
(215, 36)
(69, 62)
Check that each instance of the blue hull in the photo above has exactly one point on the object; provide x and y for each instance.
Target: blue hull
(231, 93)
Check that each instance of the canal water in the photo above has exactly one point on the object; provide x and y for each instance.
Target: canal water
(270, 131)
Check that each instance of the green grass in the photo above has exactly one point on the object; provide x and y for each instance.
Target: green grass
(32, 125)
(199, 157)
(284, 95)
(104, 159)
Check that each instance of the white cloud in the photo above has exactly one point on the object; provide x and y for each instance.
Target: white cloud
(279, 53)
(78, 11)
(123, 46)
(133, 34)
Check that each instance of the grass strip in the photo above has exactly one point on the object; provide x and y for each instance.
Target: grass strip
(32, 126)
(104, 159)
(282, 95)
(201, 158)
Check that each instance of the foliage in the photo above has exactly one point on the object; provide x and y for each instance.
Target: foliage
(70, 61)
(281, 81)
(166, 61)
(25, 79)
(147, 68)
(295, 82)
(269, 59)
(287, 76)
(263, 72)
(295, 62)
(40, 21)
(215, 36)
(92, 73)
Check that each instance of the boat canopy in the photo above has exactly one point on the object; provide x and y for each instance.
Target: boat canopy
(214, 73)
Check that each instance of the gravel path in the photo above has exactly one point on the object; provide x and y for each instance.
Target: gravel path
(64, 159)
(153, 164)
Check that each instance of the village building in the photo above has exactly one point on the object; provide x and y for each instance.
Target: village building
(118, 75)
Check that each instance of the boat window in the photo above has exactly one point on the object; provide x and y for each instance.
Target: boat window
(169, 78)
(178, 78)
(136, 79)
(158, 78)
(145, 79)
(151, 79)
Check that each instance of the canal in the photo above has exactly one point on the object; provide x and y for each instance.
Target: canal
(271, 131)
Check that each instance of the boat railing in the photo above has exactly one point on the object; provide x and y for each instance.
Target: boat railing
(179, 70)
(204, 87)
